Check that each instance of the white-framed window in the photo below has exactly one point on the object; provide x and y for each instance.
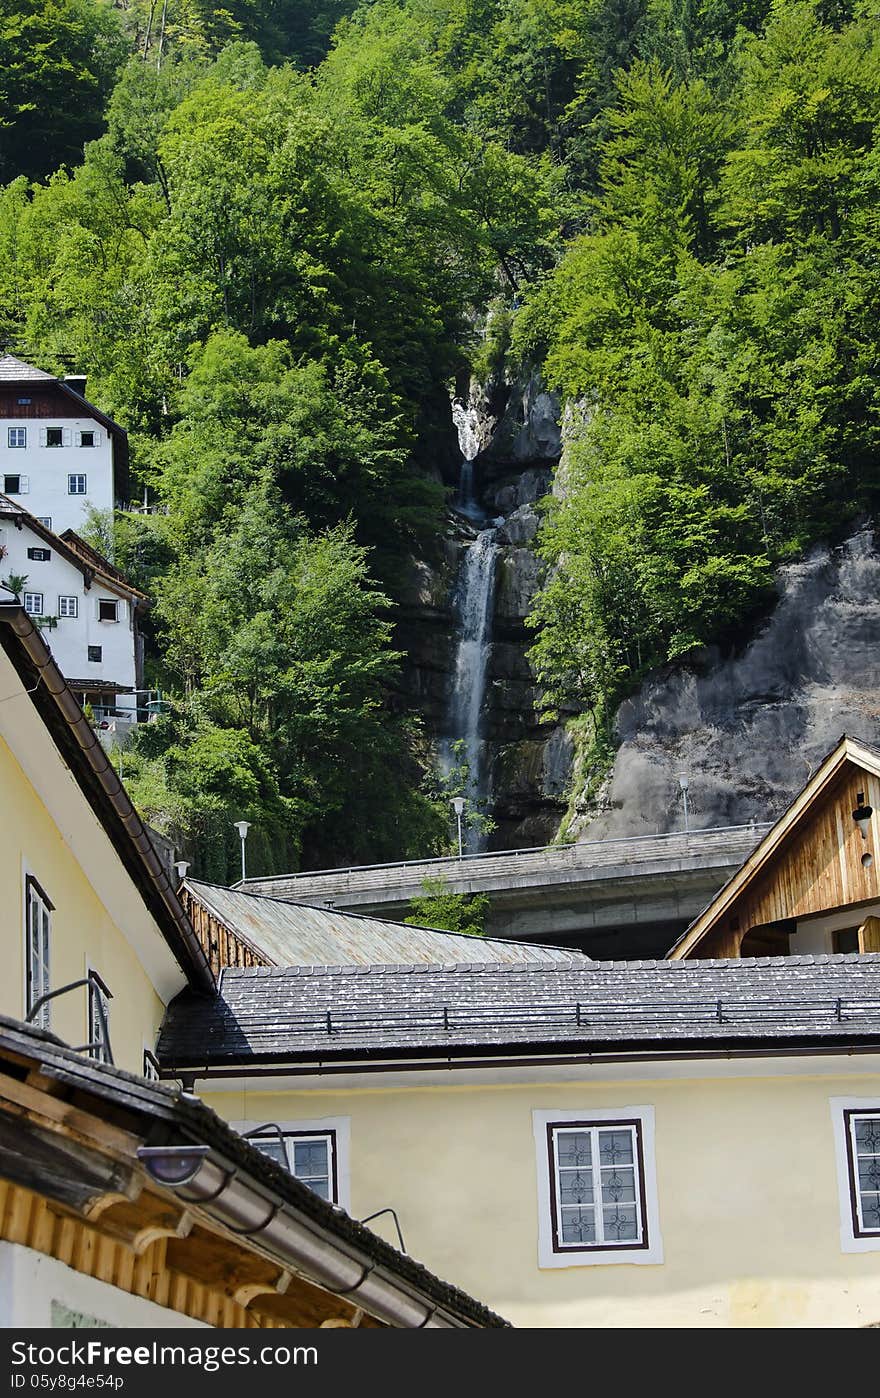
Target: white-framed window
(597, 1187)
(68, 606)
(99, 1019)
(108, 610)
(856, 1123)
(40, 555)
(16, 437)
(55, 436)
(76, 484)
(16, 485)
(33, 603)
(46, 520)
(316, 1152)
(38, 926)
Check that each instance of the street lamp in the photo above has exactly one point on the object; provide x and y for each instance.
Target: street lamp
(684, 783)
(458, 807)
(242, 826)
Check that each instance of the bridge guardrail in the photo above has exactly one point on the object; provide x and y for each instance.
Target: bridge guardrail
(737, 840)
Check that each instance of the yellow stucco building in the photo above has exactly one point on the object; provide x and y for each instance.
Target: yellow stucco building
(93, 1151)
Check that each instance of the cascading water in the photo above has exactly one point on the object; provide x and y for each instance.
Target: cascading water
(474, 598)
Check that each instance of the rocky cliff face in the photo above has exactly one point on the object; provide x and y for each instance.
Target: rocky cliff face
(749, 729)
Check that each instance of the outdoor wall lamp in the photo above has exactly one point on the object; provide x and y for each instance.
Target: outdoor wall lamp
(172, 1165)
(862, 815)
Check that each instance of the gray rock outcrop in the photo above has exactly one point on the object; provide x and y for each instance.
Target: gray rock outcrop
(748, 730)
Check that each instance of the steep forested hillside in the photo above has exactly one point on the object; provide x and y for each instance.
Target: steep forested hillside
(270, 234)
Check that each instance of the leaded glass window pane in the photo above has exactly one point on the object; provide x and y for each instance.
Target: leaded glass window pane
(620, 1223)
(311, 1164)
(578, 1225)
(576, 1186)
(574, 1148)
(618, 1185)
(615, 1147)
(271, 1146)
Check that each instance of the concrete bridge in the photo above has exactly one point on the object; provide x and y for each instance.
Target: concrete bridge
(610, 898)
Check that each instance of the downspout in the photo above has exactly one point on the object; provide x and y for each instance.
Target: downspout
(41, 658)
(298, 1245)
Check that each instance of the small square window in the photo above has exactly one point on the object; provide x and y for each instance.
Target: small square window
(54, 436)
(87, 439)
(95, 653)
(76, 485)
(33, 603)
(46, 520)
(23, 402)
(12, 485)
(68, 606)
(107, 610)
(17, 436)
(39, 555)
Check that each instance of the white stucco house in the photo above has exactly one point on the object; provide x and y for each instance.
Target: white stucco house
(59, 454)
(87, 611)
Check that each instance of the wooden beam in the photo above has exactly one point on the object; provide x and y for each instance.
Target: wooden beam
(71, 1120)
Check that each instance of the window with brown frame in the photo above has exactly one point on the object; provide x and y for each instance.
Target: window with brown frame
(863, 1161)
(597, 1185)
(310, 1156)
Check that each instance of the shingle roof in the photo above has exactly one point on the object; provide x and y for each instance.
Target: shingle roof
(295, 934)
(357, 1012)
(14, 370)
(144, 1106)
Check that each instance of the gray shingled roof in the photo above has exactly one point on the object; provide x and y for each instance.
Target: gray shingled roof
(295, 934)
(14, 370)
(357, 1012)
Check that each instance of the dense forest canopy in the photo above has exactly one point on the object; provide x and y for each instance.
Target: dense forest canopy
(274, 234)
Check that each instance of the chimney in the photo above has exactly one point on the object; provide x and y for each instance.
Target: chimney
(77, 382)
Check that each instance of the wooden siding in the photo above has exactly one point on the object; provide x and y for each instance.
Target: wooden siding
(221, 945)
(817, 869)
(45, 403)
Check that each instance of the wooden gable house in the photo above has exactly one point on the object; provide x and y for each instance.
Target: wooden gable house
(812, 885)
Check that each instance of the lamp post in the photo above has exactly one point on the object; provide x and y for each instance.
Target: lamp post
(684, 783)
(458, 807)
(242, 826)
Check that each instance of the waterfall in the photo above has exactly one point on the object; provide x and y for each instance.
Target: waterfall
(474, 599)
